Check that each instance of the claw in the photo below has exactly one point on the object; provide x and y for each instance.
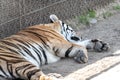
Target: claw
(100, 45)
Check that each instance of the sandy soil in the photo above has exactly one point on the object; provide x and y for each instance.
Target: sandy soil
(107, 30)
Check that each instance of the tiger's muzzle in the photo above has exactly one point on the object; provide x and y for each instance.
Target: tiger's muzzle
(81, 57)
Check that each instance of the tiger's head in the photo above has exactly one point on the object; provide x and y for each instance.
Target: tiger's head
(68, 33)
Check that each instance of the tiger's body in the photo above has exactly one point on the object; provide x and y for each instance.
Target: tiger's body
(23, 54)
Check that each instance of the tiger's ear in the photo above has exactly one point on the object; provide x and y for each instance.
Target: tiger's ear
(56, 21)
(54, 18)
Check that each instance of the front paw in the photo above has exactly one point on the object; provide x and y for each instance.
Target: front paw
(44, 77)
(49, 77)
(100, 46)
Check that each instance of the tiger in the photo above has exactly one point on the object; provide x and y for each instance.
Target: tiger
(23, 54)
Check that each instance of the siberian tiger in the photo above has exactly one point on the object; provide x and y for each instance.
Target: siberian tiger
(23, 54)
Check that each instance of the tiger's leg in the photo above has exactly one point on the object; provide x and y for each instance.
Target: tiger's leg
(79, 53)
(31, 72)
(19, 68)
(94, 44)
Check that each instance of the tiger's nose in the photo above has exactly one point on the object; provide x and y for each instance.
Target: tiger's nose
(81, 57)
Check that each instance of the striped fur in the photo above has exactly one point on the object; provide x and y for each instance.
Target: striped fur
(23, 54)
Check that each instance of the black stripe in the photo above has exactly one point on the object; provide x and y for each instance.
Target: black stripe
(44, 54)
(27, 51)
(38, 53)
(75, 38)
(103, 45)
(3, 59)
(30, 66)
(32, 73)
(67, 28)
(11, 50)
(21, 34)
(10, 69)
(51, 31)
(2, 76)
(1, 69)
(10, 44)
(68, 51)
(28, 45)
(55, 50)
(63, 27)
(14, 61)
(10, 56)
(23, 42)
(21, 68)
(40, 37)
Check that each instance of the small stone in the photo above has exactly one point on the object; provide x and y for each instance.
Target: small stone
(93, 21)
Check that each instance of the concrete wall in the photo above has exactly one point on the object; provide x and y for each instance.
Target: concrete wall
(18, 14)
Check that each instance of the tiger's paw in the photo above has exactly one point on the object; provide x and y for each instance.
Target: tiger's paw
(44, 77)
(99, 45)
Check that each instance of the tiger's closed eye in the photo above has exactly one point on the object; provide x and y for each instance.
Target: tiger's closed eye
(75, 38)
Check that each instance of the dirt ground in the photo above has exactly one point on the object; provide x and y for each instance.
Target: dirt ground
(107, 30)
